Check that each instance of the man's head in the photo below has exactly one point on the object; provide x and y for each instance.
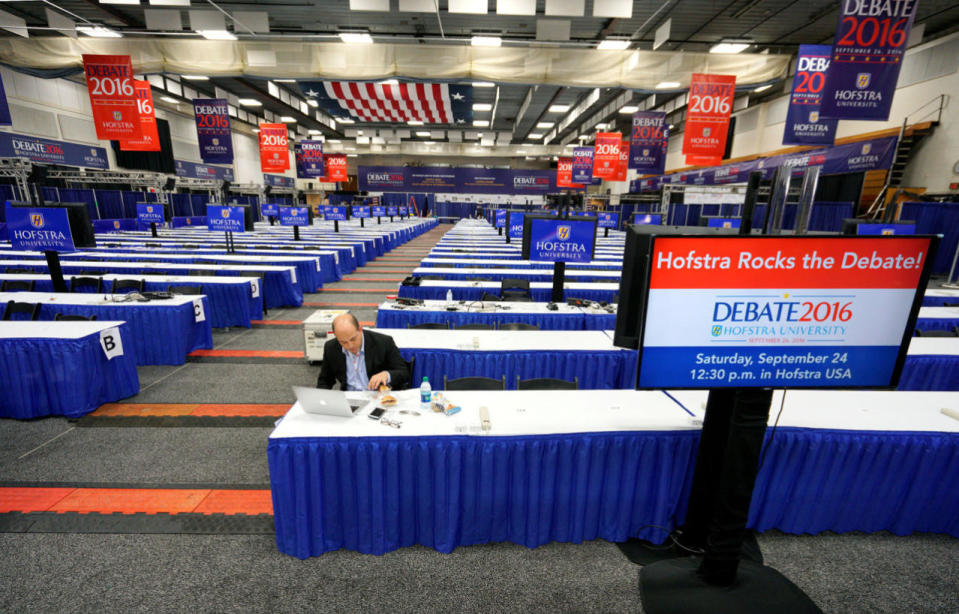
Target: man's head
(348, 332)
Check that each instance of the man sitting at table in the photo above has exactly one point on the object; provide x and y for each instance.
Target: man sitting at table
(361, 359)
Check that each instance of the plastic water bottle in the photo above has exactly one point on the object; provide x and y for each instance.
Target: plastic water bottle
(426, 393)
(449, 296)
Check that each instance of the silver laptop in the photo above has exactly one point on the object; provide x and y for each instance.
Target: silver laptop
(328, 402)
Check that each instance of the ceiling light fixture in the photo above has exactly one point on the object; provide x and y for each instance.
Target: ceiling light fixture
(356, 38)
(415, 122)
(99, 32)
(545, 125)
(286, 119)
(612, 44)
(390, 82)
(314, 131)
(170, 100)
(730, 46)
(534, 136)
(217, 35)
(762, 88)
(250, 102)
(668, 85)
(629, 109)
(559, 108)
(481, 124)
(194, 77)
(486, 41)
(482, 106)
(422, 133)
(312, 102)
(483, 84)
(284, 80)
(346, 120)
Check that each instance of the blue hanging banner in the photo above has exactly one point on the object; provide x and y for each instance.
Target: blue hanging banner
(648, 142)
(278, 181)
(294, 216)
(5, 119)
(867, 53)
(224, 218)
(309, 159)
(52, 152)
(582, 165)
(203, 171)
(213, 130)
(150, 213)
(804, 126)
(39, 229)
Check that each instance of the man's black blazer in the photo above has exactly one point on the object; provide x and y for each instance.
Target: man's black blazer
(381, 355)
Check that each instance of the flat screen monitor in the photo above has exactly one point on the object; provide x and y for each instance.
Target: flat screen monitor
(555, 239)
(716, 221)
(647, 218)
(852, 226)
(79, 217)
(249, 216)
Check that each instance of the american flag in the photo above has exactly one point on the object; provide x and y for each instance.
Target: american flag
(430, 103)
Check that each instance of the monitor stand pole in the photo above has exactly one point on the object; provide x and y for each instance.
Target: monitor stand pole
(559, 280)
(153, 230)
(296, 233)
(56, 272)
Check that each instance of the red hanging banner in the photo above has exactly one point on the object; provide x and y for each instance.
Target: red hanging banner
(112, 96)
(335, 168)
(707, 119)
(623, 166)
(564, 174)
(606, 155)
(274, 148)
(149, 140)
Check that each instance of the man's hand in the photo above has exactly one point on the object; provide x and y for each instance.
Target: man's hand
(379, 379)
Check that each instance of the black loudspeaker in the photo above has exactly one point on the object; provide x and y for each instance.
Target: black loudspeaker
(170, 184)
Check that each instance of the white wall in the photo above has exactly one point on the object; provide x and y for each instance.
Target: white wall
(928, 71)
(60, 109)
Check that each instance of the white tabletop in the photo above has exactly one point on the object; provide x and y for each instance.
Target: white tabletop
(483, 262)
(70, 298)
(934, 346)
(186, 279)
(435, 270)
(581, 411)
(495, 307)
(93, 264)
(939, 312)
(503, 340)
(52, 330)
(946, 292)
(121, 253)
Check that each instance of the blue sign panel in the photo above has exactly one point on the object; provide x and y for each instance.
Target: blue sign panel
(886, 229)
(39, 228)
(500, 220)
(294, 216)
(379, 211)
(404, 210)
(647, 218)
(203, 171)
(391, 210)
(723, 222)
(561, 240)
(150, 213)
(516, 225)
(361, 211)
(52, 152)
(270, 210)
(335, 213)
(278, 181)
(608, 220)
(223, 218)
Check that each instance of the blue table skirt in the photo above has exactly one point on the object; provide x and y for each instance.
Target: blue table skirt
(939, 301)
(64, 377)
(377, 494)
(530, 274)
(597, 369)
(936, 323)
(930, 372)
(605, 266)
(394, 318)
(161, 334)
(541, 295)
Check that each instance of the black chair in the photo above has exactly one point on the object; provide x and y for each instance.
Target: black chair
(474, 383)
(17, 285)
(71, 318)
(514, 284)
(490, 297)
(185, 289)
(33, 309)
(936, 333)
(86, 284)
(546, 383)
(517, 326)
(432, 277)
(514, 296)
(476, 327)
(200, 273)
(430, 325)
(152, 245)
(125, 286)
(190, 246)
(19, 271)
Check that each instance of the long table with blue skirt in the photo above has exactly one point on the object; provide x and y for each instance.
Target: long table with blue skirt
(64, 368)
(502, 263)
(575, 466)
(234, 301)
(540, 291)
(938, 318)
(565, 317)
(940, 297)
(529, 273)
(162, 332)
(932, 364)
(586, 355)
(307, 269)
(279, 288)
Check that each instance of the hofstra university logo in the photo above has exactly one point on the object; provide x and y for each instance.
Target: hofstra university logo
(717, 331)
(562, 232)
(225, 213)
(216, 141)
(149, 208)
(866, 148)
(118, 116)
(707, 132)
(36, 220)
(813, 117)
(862, 80)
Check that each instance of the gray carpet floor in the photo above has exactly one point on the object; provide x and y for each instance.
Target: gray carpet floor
(877, 573)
